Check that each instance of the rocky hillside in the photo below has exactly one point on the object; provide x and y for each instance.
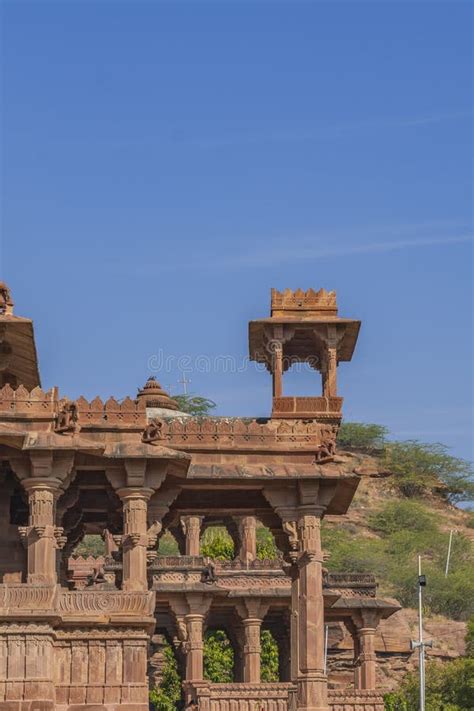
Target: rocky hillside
(383, 532)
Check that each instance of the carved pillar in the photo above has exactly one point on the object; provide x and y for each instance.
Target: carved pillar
(355, 640)
(252, 611)
(191, 526)
(294, 623)
(41, 537)
(312, 682)
(197, 605)
(367, 657)
(248, 538)
(330, 376)
(277, 367)
(135, 537)
(195, 645)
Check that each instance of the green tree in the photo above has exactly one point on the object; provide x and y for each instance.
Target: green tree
(167, 695)
(365, 437)
(268, 657)
(449, 687)
(420, 468)
(195, 405)
(266, 547)
(216, 543)
(218, 657)
(91, 544)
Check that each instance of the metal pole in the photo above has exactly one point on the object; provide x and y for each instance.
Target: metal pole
(420, 637)
(326, 634)
(449, 553)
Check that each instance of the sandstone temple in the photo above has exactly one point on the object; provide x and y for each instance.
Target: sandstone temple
(134, 469)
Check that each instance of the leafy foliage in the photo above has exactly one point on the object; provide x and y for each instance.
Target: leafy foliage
(91, 544)
(168, 544)
(449, 687)
(420, 468)
(266, 546)
(166, 696)
(406, 529)
(195, 405)
(365, 437)
(268, 657)
(218, 657)
(216, 543)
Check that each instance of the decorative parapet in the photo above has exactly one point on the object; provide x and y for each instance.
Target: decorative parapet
(355, 700)
(111, 412)
(289, 303)
(247, 697)
(223, 432)
(78, 603)
(18, 599)
(352, 584)
(28, 403)
(320, 407)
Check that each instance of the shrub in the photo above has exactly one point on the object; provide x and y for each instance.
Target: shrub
(91, 544)
(420, 468)
(166, 696)
(449, 687)
(268, 657)
(168, 544)
(357, 435)
(218, 657)
(216, 543)
(266, 547)
(400, 516)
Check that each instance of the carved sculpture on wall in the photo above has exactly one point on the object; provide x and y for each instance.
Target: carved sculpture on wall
(153, 432)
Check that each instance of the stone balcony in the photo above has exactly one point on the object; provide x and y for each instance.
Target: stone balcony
(265, 577)
(329, 408)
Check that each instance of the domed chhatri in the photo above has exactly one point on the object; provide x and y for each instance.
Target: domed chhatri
(155, 396)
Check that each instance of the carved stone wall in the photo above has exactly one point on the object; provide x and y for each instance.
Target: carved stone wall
(101, 666)
(26, 667)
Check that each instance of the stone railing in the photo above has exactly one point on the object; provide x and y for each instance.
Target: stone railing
(325, 407)
(244, 697)
(17, 599)
(99, 602)
(224, 432)
(355, 700)
(363, 584)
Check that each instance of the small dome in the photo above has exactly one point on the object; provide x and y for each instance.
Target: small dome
(155, 396)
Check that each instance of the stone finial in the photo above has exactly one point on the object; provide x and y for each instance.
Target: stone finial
(154, 396)
(6, 301)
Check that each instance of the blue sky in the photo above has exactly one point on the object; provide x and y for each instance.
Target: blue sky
(164, 164)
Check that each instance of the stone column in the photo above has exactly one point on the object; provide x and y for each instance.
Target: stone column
(252, 611)
(41, 537)
(294, 623)
(277, 367)
(197, 608)
(367, 658)
(135, 537)
(312, 682)
(191, 526)
(356, 662)
(248, 538)
(194, 647)
(252, 649)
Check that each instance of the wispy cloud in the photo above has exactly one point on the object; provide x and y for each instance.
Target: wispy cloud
(319, 131)
(291, 255)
